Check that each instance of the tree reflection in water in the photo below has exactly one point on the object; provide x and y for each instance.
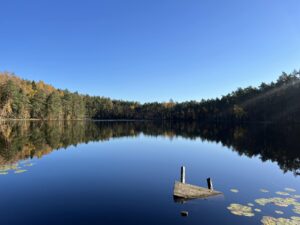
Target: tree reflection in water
(27, 139)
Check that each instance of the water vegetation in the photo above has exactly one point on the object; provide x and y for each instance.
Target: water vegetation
(282, 193)
(16, 168)
(268, 220)
(290, 189)
(246, 210)
(279, 212)
(240, 210)
(20, 171)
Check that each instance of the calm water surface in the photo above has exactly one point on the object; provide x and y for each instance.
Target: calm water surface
(124, 172)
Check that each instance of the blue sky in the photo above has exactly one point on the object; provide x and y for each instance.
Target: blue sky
(150, 50)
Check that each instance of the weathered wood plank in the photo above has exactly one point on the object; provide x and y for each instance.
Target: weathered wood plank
(189, 191)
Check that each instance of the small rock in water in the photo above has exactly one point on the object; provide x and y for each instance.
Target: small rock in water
(184, 213)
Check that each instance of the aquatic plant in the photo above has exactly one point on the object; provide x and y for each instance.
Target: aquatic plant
(296, 209)
(291, 200)
(15, 167)
(29, 164)
(20, 171)
(240, 210)
(290, 189)
(282, 193)
(278, 212)
(268, 220)
(282, 202)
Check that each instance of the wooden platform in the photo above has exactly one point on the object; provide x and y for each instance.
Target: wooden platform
(188, 191)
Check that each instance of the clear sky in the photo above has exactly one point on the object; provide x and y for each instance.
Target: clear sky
(150, 50)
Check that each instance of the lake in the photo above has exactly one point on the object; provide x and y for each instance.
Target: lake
(124, 172)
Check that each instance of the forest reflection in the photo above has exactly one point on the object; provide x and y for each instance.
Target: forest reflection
(28, 139)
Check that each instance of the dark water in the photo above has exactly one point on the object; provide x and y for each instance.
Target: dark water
(124, 172)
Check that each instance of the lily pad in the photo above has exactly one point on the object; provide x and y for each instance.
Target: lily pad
(268, 220)
(278, 212)
(20, 171)
(8, 167)
(282, 202)
(297, 218)
(296, 209)
(290, 189)
(282, 193)
(28, 164)
(240, 210)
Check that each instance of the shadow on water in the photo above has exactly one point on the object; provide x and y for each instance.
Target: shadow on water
(28, 139)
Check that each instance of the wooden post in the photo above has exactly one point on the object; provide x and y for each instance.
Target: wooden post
(209, 184)
(182, 178)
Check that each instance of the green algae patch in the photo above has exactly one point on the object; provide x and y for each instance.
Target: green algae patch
(240, 210)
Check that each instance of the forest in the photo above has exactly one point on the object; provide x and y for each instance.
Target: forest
(274, 102)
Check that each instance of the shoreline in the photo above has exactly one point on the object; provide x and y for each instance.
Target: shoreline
(148, 120)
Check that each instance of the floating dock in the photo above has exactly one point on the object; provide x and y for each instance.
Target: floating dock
(189, 191)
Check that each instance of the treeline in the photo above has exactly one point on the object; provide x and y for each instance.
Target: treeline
(277, 101)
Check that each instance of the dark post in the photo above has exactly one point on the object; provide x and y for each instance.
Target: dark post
(209, 184)
(182, 178)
